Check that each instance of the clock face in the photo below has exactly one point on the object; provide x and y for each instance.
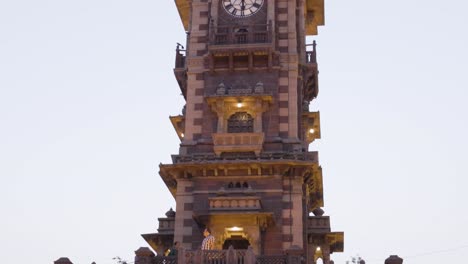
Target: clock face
(242, 8)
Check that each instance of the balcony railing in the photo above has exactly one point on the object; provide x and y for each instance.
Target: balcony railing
(164, 260)
(229, 256)
(311, 55)
(180, 56)
(238, 142)
(318, 223)
(307, 156)
(228, 35)
(271, 260)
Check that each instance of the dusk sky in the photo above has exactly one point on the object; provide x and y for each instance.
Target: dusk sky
(86, 89)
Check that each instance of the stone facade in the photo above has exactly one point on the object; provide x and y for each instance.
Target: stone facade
(244, 169)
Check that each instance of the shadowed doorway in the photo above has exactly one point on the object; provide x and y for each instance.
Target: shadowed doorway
(237, 242)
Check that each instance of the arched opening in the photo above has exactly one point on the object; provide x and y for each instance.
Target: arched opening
(237, 242)
(240, 122)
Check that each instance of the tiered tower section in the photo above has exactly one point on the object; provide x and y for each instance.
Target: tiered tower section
(244, 168)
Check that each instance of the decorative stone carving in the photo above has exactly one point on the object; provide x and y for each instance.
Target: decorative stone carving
(171, 213)
(318, 211)
(143, 255)
(235, 203)
(321, 223)
(195, 62)
(305, 106)
(240, 91)
(226, 106)
(166, 224)
(240, 87)
(259, 89)
(238, 142)
(221, 90)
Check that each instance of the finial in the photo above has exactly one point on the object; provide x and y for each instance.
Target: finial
(318, 211)
(170, 213)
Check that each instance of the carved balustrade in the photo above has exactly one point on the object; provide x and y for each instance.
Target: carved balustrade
(265, 156)
(164, 260)
(229, 256)
(180, 58)
(235, 203)
(238, 142)
(318, 223)
(239, 34)
(280, 259)
(311, 55)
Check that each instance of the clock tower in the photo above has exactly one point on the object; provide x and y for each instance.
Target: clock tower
(244, 169)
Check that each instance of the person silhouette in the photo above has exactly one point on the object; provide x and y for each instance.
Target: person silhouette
(208, 241)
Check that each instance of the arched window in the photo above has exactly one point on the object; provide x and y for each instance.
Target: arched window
(240, 122)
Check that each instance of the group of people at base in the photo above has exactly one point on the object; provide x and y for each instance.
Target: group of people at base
(207, 243)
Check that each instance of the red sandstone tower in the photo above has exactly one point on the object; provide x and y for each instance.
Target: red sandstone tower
(244, 168)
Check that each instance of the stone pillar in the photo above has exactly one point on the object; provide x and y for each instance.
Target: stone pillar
(143, 255)
(258, 118)
(181, 255)
(198, 257)
(326, 254)
(231, 255)
(250, 257)
(294, 255)
(63, 261)
(394, 259)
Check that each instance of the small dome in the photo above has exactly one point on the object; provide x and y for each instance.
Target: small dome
(170, 213)
(318, 211)
(63, 261)
(394, 259)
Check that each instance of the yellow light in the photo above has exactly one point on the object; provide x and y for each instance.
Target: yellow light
(182, 135)
(239, 105)
(311, 131)
(318, 249)
(235, 228)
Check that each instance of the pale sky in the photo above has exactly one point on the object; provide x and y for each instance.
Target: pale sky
(86, 88)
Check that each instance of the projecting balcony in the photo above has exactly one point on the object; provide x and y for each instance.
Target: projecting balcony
(229, 256)
(318, 224)
(310, 72)
(311, 126)
(238, 142)
(234, 35)
(311, 55)
(265, 156)
(180, 70)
